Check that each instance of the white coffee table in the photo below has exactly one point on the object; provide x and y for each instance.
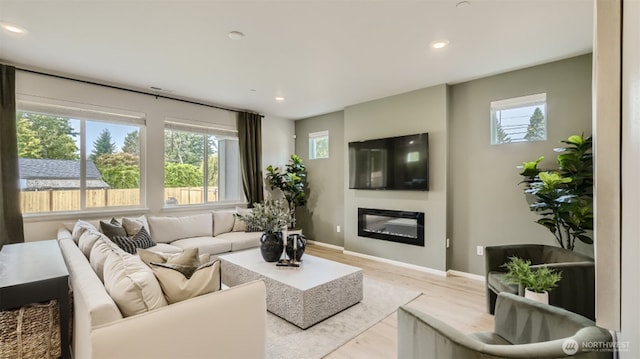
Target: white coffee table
(305, 296)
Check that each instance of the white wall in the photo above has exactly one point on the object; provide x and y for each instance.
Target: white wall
(413, 112)
(277, 139)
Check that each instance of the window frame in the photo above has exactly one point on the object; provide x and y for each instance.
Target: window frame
(313, 137)
(92, 113)
(535, 100)
(221, 132)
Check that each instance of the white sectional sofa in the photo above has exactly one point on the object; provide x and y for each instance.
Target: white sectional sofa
(193, 328)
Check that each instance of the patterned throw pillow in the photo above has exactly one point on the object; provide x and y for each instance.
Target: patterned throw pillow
(112, 229)
(142, 239)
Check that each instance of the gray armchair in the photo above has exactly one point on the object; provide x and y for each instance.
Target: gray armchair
(575, 291)
(523, 329)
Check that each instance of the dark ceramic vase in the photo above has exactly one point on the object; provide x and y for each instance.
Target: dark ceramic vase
(271, 246)
(301, 245)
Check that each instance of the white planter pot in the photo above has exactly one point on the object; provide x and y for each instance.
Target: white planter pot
(538, 297)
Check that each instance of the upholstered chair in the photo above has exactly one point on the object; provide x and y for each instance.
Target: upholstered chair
(523, 329)
(575, 291)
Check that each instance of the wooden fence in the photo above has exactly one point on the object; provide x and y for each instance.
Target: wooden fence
(69, 200)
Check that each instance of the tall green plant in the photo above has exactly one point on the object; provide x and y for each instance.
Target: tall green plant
(292, 183)
(564, 196)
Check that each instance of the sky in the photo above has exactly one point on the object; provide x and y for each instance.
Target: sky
(94, 128)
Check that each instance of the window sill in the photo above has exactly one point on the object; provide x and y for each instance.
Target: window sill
(101, 213)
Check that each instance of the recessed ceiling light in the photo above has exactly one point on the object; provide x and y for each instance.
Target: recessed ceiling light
(279, 98)
(235, 35)
(439, 44)
(13, 28)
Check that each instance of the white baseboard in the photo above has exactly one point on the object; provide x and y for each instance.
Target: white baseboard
(456, 273)
(397, 263)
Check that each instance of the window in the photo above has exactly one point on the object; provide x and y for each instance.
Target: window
(519, 119)
(72, 163)
(319, 145)
(201, 165)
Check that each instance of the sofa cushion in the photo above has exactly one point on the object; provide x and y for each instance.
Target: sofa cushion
(241, 240)
(112, 228)
(209, 245)
(99, 254)
(222, 222)
(87, 240)
(169, 229)
(142, 239)
(180, 282)
(132, 284)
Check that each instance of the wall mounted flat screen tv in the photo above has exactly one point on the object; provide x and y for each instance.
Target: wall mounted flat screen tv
(392, 163)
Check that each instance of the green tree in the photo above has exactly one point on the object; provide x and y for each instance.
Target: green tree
(501, 135)
(121, 176)
(212, 171)
(102, 145)
(29, 145)
(55, 134)
(536, 129)
(115, 159)
(183, 147)
(182, 175)
(132, 143)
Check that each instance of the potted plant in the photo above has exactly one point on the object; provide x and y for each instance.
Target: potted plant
(537, 282)
(269, 217)
(292, 183)
(564, 196)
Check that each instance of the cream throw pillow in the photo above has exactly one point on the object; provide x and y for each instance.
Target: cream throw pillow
(79, 228)
(132, 284)
(185, 275)
(180, 282)
(239, 225)
(99, 254)
(134, 225)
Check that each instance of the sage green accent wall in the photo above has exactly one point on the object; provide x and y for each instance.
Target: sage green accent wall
(324, 210)
(419, 111)
(486, 204)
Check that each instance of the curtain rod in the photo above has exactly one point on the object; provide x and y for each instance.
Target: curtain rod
(130, 90)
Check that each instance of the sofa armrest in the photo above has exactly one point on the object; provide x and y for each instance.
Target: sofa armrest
(423, 336)
(227, 324)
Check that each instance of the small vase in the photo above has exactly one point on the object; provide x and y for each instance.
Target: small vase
(301, 244)
(271, 246)
(538, 297)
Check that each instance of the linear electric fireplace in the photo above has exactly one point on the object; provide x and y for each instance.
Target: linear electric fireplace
(396, 226)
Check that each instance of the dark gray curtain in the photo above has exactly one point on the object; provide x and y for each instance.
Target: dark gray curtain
(10, 217)
(250, 138)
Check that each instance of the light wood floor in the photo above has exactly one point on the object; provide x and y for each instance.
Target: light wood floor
(457, 301)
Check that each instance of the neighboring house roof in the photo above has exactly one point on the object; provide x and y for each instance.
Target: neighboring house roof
(32, 168)
(39, 174)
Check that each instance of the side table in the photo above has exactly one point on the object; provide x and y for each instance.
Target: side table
(34, 272)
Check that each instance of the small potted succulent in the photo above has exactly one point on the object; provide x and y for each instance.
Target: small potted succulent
(270, 218)
(537, 282)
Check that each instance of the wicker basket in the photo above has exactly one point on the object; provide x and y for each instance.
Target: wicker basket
(32, 331)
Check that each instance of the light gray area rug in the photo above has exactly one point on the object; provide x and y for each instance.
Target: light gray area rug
(285, 340)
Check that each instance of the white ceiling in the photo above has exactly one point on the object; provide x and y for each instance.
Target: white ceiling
(320, 55)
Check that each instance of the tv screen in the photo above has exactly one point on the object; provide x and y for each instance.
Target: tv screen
(392, 163)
